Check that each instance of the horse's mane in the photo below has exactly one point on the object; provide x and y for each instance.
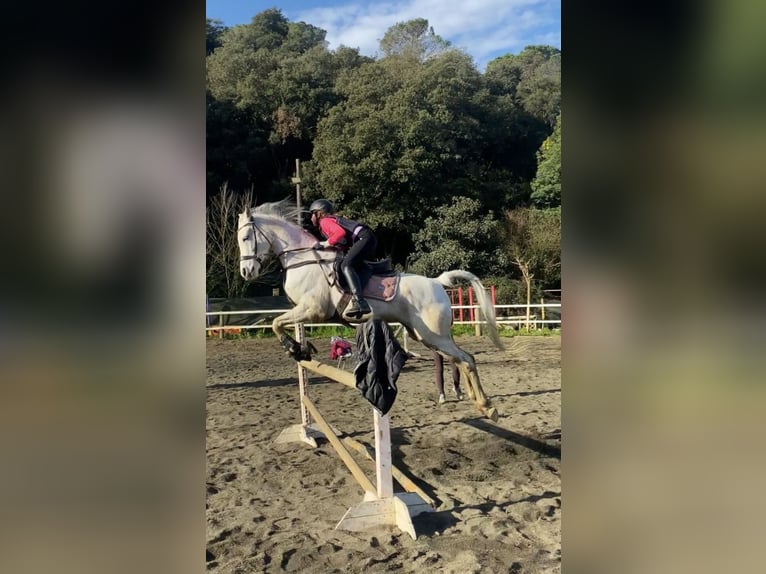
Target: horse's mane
(284, 209)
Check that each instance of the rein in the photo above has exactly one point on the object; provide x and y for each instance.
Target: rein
(304, 263)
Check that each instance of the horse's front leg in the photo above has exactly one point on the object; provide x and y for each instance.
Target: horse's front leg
(298, 351)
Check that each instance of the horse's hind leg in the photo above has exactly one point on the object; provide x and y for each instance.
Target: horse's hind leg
(431, 324)
(465, 376)
(467, 366)
(475, 390)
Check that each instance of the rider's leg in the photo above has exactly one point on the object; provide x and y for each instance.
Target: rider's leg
(364, 246)
(359, 305)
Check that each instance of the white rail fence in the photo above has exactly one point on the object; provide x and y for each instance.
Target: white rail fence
(534, 319)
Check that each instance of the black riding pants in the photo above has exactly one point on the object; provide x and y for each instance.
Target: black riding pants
(362, 249)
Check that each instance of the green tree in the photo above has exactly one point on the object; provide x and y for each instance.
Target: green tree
(213, 30)
(236, 146)
(460, 235)
(533, 243)
(268, 29)
(405, 140)
(279, 78)
(413, 39)
(532, 79)
(302, 37)
(239, 70)
(546, 187)
(512, 137)
(391, 141)
(527, 98)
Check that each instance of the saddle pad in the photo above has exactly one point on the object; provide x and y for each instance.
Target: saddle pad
(383, 288)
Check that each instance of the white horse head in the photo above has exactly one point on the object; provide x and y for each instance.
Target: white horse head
(247, 238)
(262, 230)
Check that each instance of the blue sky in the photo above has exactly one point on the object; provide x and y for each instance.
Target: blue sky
(485, 29)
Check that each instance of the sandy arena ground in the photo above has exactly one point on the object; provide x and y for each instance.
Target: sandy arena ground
(274, 507)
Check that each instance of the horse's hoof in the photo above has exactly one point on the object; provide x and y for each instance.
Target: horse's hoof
(442, 399)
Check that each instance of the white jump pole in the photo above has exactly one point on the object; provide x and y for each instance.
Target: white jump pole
(384, 507)
(306, 431)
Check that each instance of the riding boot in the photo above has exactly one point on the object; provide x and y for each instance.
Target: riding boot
(359, 305)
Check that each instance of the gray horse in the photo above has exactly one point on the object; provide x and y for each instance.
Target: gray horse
(420, 303)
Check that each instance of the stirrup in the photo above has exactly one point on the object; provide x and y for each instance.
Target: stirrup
(358, 308)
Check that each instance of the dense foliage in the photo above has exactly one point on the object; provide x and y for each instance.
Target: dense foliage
(546, 187)
(418, 143)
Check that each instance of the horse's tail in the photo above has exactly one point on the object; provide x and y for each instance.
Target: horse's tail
(448, 278)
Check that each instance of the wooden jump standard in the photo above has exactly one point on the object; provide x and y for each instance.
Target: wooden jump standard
(380, 506)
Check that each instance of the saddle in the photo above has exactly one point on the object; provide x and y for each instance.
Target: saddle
(378, 279)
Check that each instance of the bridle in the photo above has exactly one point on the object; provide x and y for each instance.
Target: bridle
(259, 258)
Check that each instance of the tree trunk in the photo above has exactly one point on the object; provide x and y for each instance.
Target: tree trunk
(524, 267)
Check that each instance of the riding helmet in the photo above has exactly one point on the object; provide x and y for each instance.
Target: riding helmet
(322, 205)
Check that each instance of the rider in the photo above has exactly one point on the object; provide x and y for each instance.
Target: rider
(355, 239)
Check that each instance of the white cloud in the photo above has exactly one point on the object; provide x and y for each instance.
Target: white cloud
(483, 28)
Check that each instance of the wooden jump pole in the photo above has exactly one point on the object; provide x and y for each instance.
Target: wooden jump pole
(380, 506)
(334, 373)
(344, 455)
